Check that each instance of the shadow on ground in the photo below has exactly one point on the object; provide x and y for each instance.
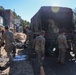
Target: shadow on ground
(51, 67)
(22, 67)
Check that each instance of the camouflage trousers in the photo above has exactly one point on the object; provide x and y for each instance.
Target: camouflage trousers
(74, 49)
(62, 53)
(29, 49)
(10, 49)
(40, 57)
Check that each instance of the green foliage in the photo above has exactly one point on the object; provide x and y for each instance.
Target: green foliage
(15, 15)
(24, 23)
(27, 23)
(1, 8)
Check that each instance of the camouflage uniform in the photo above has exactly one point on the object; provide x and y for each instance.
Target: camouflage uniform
(29, 41)
(39, 43)
(74, 45)
(1, 40)
(62, 44)
(9, 43)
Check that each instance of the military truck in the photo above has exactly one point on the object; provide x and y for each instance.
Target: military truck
(52, 19)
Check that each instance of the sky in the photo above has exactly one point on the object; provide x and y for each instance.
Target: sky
(28, 8)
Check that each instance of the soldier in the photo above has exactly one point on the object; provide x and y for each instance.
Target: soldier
(29, 41)
(74, 44)
(39, 44)
(8, 37)
(62, 44)
(1, 41)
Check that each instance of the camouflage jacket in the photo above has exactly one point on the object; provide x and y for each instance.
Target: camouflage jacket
(62, 41)
(8, 37)
(1, 39)
(30, 37)
(39, 43)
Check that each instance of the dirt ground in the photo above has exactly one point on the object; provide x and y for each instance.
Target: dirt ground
(17, 67)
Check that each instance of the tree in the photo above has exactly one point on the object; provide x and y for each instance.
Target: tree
(1, 8)
(27, 23)
(15, 15)
(24, 23)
